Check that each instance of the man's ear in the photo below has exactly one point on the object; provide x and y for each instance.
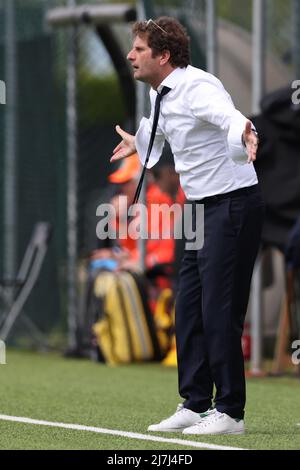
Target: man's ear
(165, 57)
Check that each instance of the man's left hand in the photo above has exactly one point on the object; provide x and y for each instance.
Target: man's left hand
(251, 142)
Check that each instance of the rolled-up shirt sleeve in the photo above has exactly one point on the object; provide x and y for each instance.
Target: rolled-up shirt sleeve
(211, 103)
(236, 150)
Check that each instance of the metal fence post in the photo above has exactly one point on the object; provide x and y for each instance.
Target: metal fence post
(211, 37)
(296, 36)
(258, 83)
(140, 111)
(10, 149)
(72, 184)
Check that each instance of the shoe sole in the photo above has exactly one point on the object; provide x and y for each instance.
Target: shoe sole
(166, 430)
(212, 433)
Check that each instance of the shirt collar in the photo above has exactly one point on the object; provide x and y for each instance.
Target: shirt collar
(172, 79)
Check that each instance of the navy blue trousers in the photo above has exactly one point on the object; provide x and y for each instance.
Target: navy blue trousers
(212, 299)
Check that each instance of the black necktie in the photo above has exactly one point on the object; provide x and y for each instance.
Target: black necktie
(159, 97)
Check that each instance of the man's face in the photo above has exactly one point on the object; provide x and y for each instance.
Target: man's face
(145, 67)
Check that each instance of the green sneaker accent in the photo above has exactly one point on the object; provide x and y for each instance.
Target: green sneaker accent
(206, 413)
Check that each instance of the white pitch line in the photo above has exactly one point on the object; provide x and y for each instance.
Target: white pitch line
(130, 435)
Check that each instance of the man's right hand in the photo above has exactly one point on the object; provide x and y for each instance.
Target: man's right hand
(126, 147)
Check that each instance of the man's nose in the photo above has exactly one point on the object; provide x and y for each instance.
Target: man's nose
(130, 55)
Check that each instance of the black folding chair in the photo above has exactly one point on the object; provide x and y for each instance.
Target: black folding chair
(15, 292)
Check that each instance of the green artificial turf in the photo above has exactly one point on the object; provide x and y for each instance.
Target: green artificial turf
(127, 398)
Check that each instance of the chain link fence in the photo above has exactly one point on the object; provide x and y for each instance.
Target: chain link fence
(282, 26)
(37, 130)
(40, 133)
(279, 30)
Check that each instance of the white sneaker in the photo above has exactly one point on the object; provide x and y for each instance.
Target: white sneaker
(216, 423)
(180, 420)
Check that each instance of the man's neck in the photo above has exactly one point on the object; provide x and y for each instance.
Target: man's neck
(162, 77)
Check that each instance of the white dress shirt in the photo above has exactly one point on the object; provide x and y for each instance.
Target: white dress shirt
(204, 130)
